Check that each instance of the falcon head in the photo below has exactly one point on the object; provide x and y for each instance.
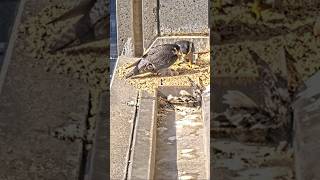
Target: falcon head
(187, 50)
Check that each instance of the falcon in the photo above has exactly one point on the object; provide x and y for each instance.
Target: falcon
(157, 60)
(92, 26)
(244, 113)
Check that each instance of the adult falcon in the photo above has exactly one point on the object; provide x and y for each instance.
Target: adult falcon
(157, 60)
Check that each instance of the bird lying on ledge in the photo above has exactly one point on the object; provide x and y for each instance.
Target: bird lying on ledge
(159, 58)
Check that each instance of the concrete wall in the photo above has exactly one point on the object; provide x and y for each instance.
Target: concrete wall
(124, 16)
(159, 18)
(181, 17)
(150, 22)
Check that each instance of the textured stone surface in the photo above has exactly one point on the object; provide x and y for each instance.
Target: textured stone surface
(33, 103)
(150, 22)
(121, 119)
(183, 16)
(307, 128)
(205, 105)
(143, 154)
(99, 161)
(124, 18)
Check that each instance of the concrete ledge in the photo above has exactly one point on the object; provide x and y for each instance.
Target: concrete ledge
(121, 122)
(205, 105)
(307, 131)
(143, 149)
(99, 161)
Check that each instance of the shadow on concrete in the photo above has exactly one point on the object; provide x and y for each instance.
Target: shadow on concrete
(88, 50)
(166, 148)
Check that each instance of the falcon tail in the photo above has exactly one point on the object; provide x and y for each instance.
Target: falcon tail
(133, 72)
(134, 64)
(80, 31)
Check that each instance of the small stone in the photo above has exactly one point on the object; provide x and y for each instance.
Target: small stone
(184, 93)
(172, 138)
(184, 151)
(170, 97)
(185, 177)
(162, 129)
(131, 103)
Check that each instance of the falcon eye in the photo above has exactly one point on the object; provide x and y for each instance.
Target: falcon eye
(149, 66)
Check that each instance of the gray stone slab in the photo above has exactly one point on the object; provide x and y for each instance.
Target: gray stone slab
(33, 103)
(205, 105)
(99, 161)
(121, 118)
(307, 131)
(124, 23)
(143, 149)
(150, 22)
(183, 17)
(171, 162)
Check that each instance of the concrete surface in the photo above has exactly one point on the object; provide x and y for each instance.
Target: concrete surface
(142, 159)
(33, 105)
(124, 26)
(137, 27)
(183, 17)
(307, 128)
(121, 124)
(159, 18)
(180, 152)
(98, 165)
(233, 160)
(150, 22)
(205, 108)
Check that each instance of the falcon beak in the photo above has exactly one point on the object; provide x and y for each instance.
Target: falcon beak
(176, 51)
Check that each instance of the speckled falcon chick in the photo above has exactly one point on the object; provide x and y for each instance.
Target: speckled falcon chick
(157, 60)
(92, 26)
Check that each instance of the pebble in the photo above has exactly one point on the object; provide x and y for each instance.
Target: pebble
(185, 177)
(184, 151)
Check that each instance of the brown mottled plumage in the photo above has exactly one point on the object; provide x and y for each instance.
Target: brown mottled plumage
(243, 113)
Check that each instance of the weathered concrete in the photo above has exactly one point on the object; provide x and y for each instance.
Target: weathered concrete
(33, 104)
(99, 161)
(205, 105)
(137, 27)
(180, 152)
(121, 123)
(307, 128)
(183, 17)
(150, 22)
(143, 149)
(124, 25)
(139, 24)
